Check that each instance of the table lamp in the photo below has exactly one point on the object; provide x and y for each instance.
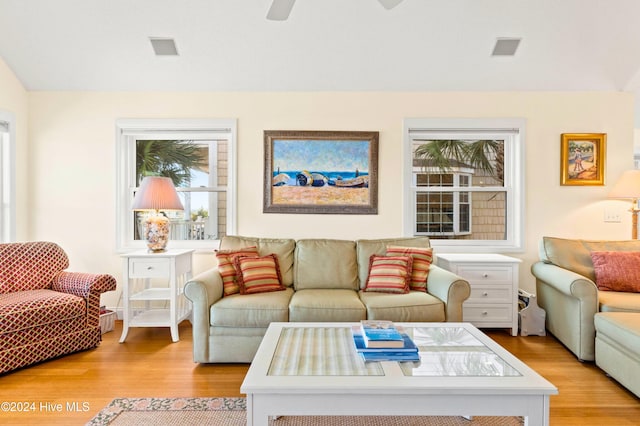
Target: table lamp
(628, 187)
(156, 193)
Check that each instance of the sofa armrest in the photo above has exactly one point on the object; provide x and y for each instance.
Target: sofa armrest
(83, 284)
(571, 302)
(203, 290)
(452, 289)
(87, 286)
(566, 282)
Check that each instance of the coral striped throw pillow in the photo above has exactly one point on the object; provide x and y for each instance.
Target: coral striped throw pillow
(422, 259)
(227, 268)
(389, 274)
(258, 274)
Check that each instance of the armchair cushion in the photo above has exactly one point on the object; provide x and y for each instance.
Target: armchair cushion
(33, 308)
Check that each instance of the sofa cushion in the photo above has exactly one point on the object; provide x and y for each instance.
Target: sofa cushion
(617, 270)
(328, 264)
(258, 274)
(422, 259)
(321, 305)
(575, 255)
(616, 301)
(622, 328)
(251, 310)
(30, 266)
(34, 308)
(365, 248)
(389, 274)
(282, 247)
(227, 267)
(415, 306)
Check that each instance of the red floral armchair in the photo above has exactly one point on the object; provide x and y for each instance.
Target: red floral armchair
(45, 311)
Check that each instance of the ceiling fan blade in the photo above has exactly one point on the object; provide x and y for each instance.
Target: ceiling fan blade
(389, 4)
(280, 10)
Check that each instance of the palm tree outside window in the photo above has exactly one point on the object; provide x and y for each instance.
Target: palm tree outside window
(447, 173)
(464, 182)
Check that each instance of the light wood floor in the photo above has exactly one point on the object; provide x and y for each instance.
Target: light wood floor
(149, 365)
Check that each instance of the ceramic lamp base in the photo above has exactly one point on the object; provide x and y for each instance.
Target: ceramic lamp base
(157, 233)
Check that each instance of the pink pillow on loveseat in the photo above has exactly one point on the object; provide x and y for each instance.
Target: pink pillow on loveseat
(617, 270)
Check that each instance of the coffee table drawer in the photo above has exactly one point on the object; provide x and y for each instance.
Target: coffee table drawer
(486, 313)
(490, 294)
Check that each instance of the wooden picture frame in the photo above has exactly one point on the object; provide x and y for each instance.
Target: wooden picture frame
(582, 158)
(320, 172)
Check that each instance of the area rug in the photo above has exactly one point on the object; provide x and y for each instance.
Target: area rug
(231, 412)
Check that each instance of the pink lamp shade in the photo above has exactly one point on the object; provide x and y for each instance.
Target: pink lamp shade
(157, 193)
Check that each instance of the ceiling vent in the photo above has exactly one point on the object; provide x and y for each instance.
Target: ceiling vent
(506, 46)
(164, 46)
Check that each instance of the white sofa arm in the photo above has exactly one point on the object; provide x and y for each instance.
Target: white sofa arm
(203, 291)
(571, 302)
(566, 281)
(452, 289)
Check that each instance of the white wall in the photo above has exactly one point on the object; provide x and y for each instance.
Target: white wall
(72, 160)
(14, 98)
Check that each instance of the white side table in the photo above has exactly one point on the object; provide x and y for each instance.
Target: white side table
(494, 288)
(143, 297)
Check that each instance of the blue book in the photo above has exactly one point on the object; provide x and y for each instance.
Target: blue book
(407, 344)
(390, 356)
(380, 334)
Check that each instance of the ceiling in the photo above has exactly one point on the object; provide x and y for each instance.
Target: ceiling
(325, 45)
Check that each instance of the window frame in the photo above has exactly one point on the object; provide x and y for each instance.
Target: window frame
(456, 202)
(8, 177)
(513, 131)
(127, 130)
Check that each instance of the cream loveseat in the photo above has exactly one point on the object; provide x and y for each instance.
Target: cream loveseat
(567, 290)
(323, 282)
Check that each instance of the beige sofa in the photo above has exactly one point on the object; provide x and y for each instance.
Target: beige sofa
(566, 290)
(324, 280)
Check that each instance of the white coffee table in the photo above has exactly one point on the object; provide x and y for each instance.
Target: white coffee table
(308, 369)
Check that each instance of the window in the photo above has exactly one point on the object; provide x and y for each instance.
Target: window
(7, 177)
(465, 180)
(199, 156)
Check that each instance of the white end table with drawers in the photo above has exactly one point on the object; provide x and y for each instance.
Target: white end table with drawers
(494, 287)
(153, 290)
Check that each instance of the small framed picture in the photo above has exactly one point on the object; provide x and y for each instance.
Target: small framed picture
(582, 158)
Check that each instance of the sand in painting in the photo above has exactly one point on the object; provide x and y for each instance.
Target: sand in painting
(318, 196)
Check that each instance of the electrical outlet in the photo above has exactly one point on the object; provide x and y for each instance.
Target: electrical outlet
(612, 216)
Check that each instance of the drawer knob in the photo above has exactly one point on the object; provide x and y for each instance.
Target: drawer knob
(485, 313)
(485, 275)
(149, 268)
(485, 294)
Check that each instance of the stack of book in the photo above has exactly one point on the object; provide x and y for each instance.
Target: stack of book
(383, 341)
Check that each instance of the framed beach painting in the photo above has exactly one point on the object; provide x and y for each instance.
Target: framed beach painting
(582, 158)
(320, 172)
